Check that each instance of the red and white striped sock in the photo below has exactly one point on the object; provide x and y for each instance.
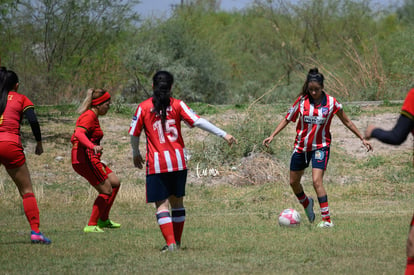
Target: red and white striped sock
(326, 215)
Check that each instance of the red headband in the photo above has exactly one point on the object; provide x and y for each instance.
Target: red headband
(106, 96)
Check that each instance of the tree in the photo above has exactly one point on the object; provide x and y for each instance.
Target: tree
(176, 47)
(406, 12)
(62, 38)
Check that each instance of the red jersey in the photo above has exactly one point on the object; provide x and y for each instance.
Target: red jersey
(89, 121)
(313, 127)
(10, 120)
(408, 106)
(165, 148)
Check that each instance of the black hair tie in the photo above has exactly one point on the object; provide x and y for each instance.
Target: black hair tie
(315, 77)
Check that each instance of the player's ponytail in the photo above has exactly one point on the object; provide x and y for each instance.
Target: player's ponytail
(8, 80)
(162, 83)
(91, 94)
(87, 102)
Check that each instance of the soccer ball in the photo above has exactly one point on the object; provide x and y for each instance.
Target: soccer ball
(289, 217)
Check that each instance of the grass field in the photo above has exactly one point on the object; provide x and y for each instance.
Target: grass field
(231, 224)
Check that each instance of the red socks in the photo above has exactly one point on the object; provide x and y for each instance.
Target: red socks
(32, 211)
(166, 226)
(105, 214)
(326, 216)
(178, 219)
(410, 266)
(323, 203)
(98, 208)
(303, 199)
(171, 227)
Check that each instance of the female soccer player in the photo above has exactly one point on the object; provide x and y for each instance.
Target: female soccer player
(160, 116)
(86, 159)
(396, 136)
(12, 107)
(315, 110)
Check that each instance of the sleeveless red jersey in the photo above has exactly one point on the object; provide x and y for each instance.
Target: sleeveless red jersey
(313, 127)
(89, 121)
(165, 148)
(10, 120)
(408, 106)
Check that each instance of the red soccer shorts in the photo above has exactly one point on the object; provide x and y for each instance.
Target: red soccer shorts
(11, 155)
(94, 173)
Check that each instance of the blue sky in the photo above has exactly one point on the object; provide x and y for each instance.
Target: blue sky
(159, 8)
(162, 7)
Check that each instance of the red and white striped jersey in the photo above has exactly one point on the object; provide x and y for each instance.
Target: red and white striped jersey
(165, 148)
(313, 127)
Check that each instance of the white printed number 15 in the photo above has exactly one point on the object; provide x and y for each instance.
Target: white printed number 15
(170, 130)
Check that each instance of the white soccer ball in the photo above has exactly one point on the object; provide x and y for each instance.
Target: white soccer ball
(289, 217)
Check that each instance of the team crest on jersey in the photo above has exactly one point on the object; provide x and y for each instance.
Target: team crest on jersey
(319, 155)
(133, 121)
(325, 111)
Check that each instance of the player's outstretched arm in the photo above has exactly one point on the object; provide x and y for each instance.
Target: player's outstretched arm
(230, 139)
(278, 129)
(351, 126)
(396, 136)
(213, 129)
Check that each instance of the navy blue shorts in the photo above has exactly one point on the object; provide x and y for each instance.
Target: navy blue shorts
(161, 186)
(319, 158)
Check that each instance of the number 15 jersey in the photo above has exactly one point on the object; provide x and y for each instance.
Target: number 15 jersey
(165, 146)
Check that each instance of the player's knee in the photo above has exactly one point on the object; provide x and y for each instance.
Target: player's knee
(294, 183)
(115, 183)
(317, 184)
(410, 248)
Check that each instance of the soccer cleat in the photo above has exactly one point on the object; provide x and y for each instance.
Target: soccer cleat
(92, 229)
(309, 211)
(108, 224)
(169, 248)
(39, 238)
(325, 224)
